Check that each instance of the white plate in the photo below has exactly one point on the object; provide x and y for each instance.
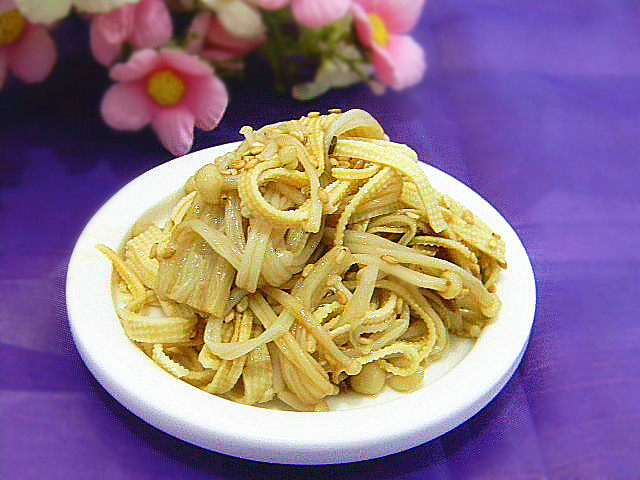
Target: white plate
(359, 427)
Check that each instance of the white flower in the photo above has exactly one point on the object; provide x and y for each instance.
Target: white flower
(333, 73)
(238, 18)
(49, 11)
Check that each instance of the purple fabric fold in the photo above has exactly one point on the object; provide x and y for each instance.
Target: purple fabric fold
(535, 105)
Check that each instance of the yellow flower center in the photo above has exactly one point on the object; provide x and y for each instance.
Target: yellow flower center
(165, 87)
(12, 24)
(380, 32)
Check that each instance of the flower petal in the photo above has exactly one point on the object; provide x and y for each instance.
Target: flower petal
(219, 45)
(197, 32)
(185, 63)
(399, 16)
(174, 127)
(272, 4)
(126, 106)
(99, 6)
(117, 26)
(49, 11)
(153, 26)
(207, 99)
(6, 5)
(401, 64)
(364, 29)
(317, 14)
(32, 57)
(107, 35)
(103, 51)
(366, 5)
(140, 64)
(240, 19)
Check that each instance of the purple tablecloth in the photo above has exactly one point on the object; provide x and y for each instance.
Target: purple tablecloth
(535, 105)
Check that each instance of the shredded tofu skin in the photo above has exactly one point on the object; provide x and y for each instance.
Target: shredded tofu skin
(314, 259)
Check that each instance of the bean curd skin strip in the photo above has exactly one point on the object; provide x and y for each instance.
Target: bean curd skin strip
(147, 329)
(314, 258)
(290, 348)
(133, 283)
(229, 371)
(296, 308)
(138, 255)
(162, 359)
(355, 241)
(405, 165)
(373, 185)
(257, 378)
(231, 351)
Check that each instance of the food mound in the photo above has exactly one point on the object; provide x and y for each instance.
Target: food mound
(313, 259)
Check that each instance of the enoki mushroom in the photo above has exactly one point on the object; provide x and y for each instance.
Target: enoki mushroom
(313, 259)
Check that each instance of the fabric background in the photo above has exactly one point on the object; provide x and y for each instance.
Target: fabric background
(534, 104)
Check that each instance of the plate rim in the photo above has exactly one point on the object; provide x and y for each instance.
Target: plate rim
(309, 438)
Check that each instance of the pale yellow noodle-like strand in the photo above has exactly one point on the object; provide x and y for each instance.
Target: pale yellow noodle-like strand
(161, 358)
(286, 176)
(258, 237)
(217, 240)
(137, 252)
(473, 231)
(307, 392)
(135, 305)
(315, 215)
(411, 276)
(257, 378)
(406, 350)
(298, 177)
(179, 211)
(130, 279)
(230, 370)
(375, 321)
(367, 243)
(143, 328)
(249, 190)
(294, 305)
(437, 333)
(291, 349)
(395, 331)
(445, 243)
(373, 186)
(352, 174)
(403, 164)
(407, 226)
(358, 303)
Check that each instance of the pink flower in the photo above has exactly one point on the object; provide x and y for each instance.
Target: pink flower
(144, 25)
(171, 90)
(26, 50)
(382, 26)
(240, 18)
(311, 13)
(50, 11)
(213, 42)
